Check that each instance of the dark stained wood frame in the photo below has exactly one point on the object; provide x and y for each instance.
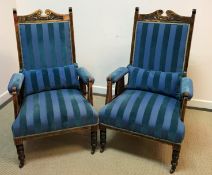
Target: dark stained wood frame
(36, 17)
(171, 17)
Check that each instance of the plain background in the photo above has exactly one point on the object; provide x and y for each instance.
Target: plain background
(103, 33)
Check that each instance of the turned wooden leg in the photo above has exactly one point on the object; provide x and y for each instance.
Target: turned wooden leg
(21, 155)
(175, 157)
(102, 139)
(93, 139)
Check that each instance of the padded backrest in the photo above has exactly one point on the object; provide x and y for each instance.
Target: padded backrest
(45, 45)
(160, 46)
(45, 79)
(167, 83)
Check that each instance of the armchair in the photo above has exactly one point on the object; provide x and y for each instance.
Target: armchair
(152, 104)
(49, 90)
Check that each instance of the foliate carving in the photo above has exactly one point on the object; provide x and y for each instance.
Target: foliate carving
(52, 15)
(169, 17)
(172, 16)
(154, 15)
(37, 16)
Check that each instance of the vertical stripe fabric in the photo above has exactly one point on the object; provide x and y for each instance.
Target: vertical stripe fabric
(167, 83)
(45, 45)
(145, 113)
(160, 46)
(53, 110)
(38, 80)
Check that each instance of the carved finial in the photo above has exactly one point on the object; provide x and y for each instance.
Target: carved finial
(137, 9)
(70, 9)
(14, 11)
(194, 12)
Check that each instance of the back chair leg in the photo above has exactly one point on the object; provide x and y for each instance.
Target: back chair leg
(93, 139)
(20, 150)
(175, 157)
(102, 139)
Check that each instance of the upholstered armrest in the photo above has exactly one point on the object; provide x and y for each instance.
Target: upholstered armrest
(186, 88)
(117, 74)
(16, 82)
(85, 76)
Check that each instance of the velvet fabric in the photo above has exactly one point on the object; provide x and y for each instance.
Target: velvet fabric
(16, 81)
(53, 110)
(117, 74)
(84, 75)
(38, 80)
(45, 45)
(160, 46)
(167, 83)
(145, 113)
(186, 87)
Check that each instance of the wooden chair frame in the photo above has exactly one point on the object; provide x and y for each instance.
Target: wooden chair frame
(171, 17)
(37, 17)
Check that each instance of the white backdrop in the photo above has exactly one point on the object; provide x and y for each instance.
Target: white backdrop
(103, 31)
(8, 51)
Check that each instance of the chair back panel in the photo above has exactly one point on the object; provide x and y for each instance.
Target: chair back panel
(45, 40)
(160, 46)
(162, 42)
(45, 45)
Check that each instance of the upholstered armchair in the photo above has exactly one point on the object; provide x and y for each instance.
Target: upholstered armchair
(152, 104)
(49, 92)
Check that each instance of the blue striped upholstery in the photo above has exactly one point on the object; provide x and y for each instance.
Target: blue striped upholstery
(50, 78)
(145, 113)
(16, 81)
(167, 83)
(186, 88)
(53, 110)
(45, 45)
(160, 46)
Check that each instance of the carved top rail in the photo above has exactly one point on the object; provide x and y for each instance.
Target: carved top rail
(37, 17)
(170, 17)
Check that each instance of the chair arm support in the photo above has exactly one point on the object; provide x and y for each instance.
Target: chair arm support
(117, 74)
(186, 88)
(90, 92)
(86, 78)
(109, 92)
(15, 83)
(84, 75)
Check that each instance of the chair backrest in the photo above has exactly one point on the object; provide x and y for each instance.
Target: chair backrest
(44, 41)
(161, 43)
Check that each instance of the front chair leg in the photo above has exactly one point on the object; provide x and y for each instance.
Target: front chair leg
(21, 155)
(93, 139)
(175, 157)
(102, 139)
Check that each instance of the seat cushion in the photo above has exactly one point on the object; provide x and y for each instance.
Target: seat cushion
(145, 113)
(53, 110)
(167, 83)
(38, 80)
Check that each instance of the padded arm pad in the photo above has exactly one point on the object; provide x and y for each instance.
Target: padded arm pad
(85, 75)
(186, 88)
(117, 74)
(16, 81)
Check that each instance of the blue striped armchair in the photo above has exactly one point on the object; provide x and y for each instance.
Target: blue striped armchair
(49, 90)
(152, 103)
